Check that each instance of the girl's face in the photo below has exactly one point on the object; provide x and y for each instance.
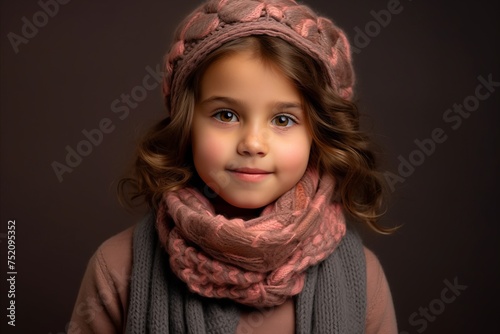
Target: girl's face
(250, 139)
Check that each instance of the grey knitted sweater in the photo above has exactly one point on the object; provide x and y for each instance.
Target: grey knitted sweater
(333, 299)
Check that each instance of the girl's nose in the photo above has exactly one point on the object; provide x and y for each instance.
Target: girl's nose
(253, 142)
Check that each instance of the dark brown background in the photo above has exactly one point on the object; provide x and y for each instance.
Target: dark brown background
(426, 59)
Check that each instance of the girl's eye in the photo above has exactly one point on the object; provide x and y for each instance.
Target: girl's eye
(225, 116)
(283, 121)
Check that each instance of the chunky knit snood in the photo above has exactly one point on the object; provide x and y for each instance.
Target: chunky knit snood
(333, 299)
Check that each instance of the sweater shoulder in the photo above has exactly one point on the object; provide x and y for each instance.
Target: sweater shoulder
(119, 246)
(380, 314)
(114, 256)
(102, 302)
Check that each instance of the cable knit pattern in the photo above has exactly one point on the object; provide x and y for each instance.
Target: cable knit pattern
(258, 262)
(219, 21)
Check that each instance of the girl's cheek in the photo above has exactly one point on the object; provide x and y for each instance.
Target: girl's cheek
(294, 155)
(210, 147)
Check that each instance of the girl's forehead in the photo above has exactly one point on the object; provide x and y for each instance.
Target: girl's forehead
(243, 76)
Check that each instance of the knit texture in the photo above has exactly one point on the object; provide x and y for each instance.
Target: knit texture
(219, 21)
(256, 262)
(333, 300)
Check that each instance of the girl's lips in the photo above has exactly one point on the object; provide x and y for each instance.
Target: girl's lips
(247, 170)
(250, 174)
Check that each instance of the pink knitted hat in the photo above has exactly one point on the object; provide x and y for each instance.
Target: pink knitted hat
(219, 21)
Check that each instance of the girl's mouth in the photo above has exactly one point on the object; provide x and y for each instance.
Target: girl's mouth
(249, 174)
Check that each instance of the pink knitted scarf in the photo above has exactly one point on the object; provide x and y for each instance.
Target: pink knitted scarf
(257, 262)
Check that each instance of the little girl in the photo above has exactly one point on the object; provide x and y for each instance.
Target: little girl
(254, 181)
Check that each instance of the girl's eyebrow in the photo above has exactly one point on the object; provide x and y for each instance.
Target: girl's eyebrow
(288, 105)
(222, 99)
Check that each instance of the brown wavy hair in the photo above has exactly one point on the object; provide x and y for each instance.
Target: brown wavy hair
(339, 147)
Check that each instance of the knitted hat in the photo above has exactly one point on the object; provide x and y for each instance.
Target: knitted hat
(219, 21)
